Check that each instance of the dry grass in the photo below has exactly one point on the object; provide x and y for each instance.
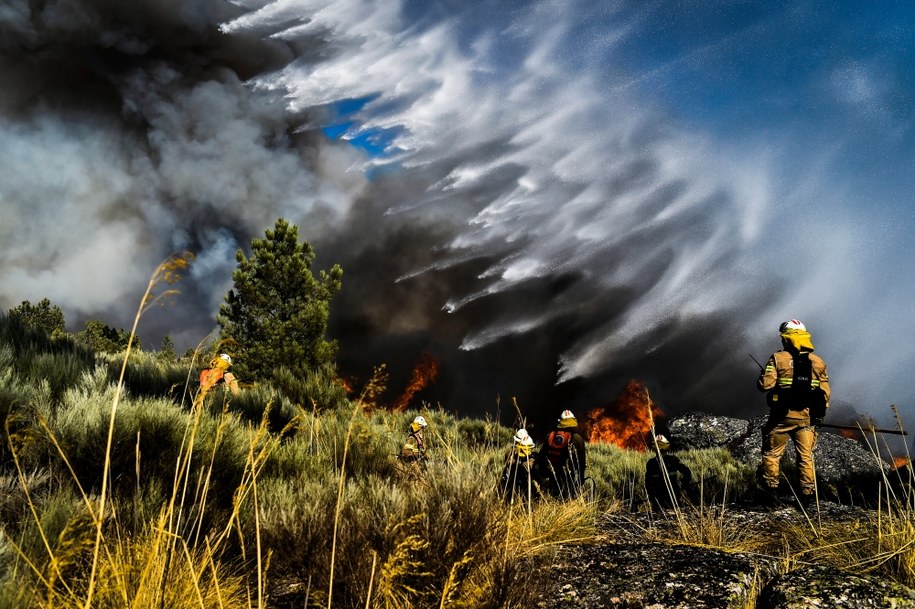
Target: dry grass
(206, 507)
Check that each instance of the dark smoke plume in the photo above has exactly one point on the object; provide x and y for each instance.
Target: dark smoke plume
(494, 203)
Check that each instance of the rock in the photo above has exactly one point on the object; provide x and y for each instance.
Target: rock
(655, 575)
(700, 430)
(846, 470)
(644, 567)
(820, 586)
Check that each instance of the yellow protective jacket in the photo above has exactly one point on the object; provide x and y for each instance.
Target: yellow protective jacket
(779, 374)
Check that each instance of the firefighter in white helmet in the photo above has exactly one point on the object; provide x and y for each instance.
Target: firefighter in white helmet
(796, 383)
(516, 478)
(217, 373)
(414, 449)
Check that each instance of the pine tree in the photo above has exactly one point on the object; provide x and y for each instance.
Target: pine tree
(43, 316)
(167, 351)
(276, 314)
(102, 338)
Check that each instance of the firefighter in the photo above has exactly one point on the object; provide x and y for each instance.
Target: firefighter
(796, 383)
(670, 483)
(560, 461)
(414, 449)
(218, 373)
(516, 475)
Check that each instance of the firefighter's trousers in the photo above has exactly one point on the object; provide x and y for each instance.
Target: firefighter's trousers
(774, 441)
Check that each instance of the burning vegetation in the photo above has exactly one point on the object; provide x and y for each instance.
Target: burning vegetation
(624, 422)
(423, 374)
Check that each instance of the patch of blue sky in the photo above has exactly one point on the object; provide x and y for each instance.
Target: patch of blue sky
(344, 124)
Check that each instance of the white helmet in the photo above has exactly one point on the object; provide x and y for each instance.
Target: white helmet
(225, 357)
(566, 414)
(522, 436)
(420, 421)
(792, 324)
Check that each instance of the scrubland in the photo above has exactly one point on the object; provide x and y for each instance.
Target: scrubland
(132, 490)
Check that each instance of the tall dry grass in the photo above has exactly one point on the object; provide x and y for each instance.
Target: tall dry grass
(131, 491)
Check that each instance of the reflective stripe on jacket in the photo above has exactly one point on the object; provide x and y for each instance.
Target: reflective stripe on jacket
(779, 373)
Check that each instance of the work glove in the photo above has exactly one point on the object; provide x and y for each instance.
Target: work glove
(818, 413)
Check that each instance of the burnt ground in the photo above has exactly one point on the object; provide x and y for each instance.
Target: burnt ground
(643, 562)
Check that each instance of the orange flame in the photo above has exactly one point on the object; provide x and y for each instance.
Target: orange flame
(851, 434)
(624, 422)
(900, 462)
(423, 374)
(347, 384)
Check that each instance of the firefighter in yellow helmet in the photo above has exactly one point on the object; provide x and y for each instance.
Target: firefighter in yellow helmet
(667, 478)
(561, 460)
(796, 383)
(516, 478)
(217, 373)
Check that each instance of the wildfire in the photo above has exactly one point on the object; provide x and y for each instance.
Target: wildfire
(423, 374)
(624, 422)
(900, 462)
(851, 434)
(347, 384)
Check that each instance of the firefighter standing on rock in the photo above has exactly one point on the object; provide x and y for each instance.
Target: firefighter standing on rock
(797, 386)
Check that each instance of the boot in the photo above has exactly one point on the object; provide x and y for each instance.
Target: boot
(769, 497)
(806, 500)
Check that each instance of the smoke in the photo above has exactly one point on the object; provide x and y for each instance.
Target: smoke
(506, 187)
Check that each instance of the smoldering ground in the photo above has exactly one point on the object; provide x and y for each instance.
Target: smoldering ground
(497, 190)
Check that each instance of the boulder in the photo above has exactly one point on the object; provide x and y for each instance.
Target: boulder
(663, 576)
(700, 430)
(656, 575)
(821, 586)
(846, 469)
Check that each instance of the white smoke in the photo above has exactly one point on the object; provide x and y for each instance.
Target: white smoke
(516, 139)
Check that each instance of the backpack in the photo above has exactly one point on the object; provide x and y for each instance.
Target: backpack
(557, 447)
(209, 378)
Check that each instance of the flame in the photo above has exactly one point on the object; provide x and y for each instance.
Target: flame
(347, 384)
(626, 421)
(851, 434)
(900, 462)
(423, 374)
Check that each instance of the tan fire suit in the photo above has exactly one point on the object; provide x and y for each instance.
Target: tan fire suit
(790, 417)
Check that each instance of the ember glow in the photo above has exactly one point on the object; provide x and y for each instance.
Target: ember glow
(423, 374)
(900, 462)
(624, 422)
(851, 434)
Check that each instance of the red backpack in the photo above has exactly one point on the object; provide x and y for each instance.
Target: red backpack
(557, 447)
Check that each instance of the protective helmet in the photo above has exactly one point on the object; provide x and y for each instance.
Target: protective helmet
(792, 324)
(662, 441)
(522, 435)
(420, 420)
(567, 420)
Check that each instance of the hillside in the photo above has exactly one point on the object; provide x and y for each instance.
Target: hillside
(255, 500)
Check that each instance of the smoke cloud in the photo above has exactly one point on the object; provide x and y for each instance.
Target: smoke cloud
(508, 186)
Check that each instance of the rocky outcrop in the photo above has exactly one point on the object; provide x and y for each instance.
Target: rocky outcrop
(847, 470)
(661, 576)
(819, 586)
(654, 575)
(642, 566)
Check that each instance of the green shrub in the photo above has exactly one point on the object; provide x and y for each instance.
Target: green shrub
(149, 375)
(319, 389)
